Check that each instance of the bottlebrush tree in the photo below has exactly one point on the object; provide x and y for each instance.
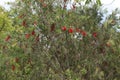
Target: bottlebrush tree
(53, 42)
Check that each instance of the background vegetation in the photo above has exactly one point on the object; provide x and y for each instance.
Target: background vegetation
(43, 40)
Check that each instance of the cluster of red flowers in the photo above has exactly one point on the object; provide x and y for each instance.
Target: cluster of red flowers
(24, 23)
(94, 34)
(71, 30)
(83, 32)
(63, 28)
(29, 34)
(13, 67)
(7, 38)
(16, 59)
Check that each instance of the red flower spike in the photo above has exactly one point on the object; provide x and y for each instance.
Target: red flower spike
(52, 27)
(33, 32)
(94, 34)
(13, 67)
(83, 33)
(70, 30)
(27, 36)
(7, 38)
(64, 28)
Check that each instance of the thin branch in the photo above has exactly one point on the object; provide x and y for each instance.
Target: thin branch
(3, 25)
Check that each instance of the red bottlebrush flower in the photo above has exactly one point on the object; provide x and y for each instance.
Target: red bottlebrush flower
(7, 38)
(16, 60)
(70, 30)
(13, 67)
(83, 33)
(24, 23)
(27, 35)
(64, 28)
(33, 32)
(52, 27)
(94, 34)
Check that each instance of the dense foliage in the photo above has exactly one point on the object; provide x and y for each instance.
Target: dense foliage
(43, 40)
